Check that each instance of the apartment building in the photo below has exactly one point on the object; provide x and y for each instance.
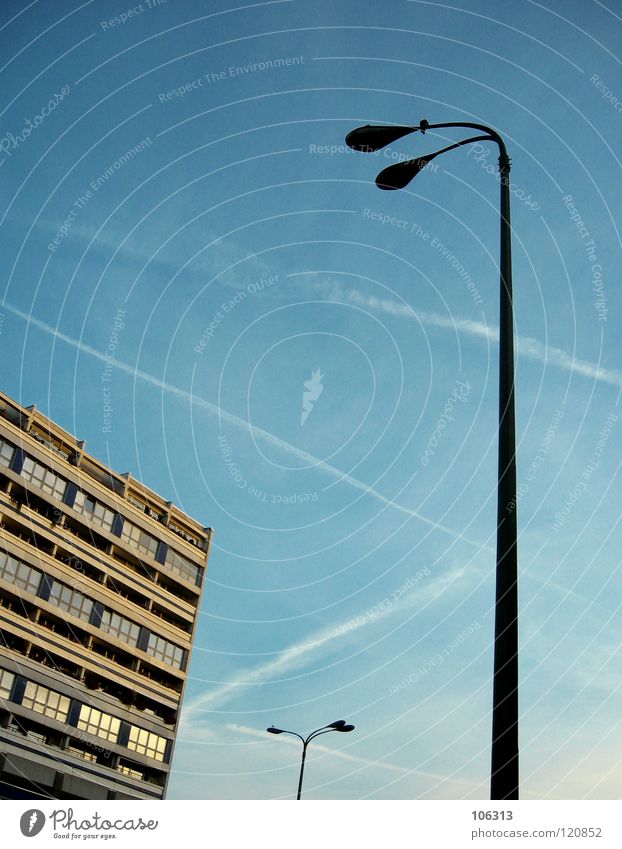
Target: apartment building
(100, 587)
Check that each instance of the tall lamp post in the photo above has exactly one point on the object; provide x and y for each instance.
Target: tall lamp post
(504, 766)
(339, 725)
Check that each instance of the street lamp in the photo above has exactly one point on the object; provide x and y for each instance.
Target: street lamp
(504, 765)
(340, 725)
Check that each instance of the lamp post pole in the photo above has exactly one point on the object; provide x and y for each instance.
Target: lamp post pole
(504, 756)
(504, 778)
(340, 725)
(305, 743)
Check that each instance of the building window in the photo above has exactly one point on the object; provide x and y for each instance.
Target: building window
(43, 477)
(128, 770)
(81, 753)
(183, 533)
(21, 574)
(136, 502)
(71, 601)
(162, 649)
(6, 683)
(101, 724)
(37, 736)
(147, 743)
(119, 626)
(139, 539)
(48, 702)
(49, 441)
(93, 510)
(182, 566)
(6, 453)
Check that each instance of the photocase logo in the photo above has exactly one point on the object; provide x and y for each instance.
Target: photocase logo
(31, 822)
(313, 390)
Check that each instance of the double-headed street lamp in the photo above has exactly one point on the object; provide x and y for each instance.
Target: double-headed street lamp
(504, 767)
(339, 725)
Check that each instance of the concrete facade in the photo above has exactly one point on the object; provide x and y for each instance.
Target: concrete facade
(100, 587)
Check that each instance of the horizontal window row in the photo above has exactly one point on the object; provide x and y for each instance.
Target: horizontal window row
(139, 539)
(147, 743)
(21, 574)
(118, 626)
(39, 732)
(77, 604)
(125, 695)
(182, 566)
(44, 478)
(54, 705)
(7, 452)
(45, 701)
(162, 649)
(94, 510)
(71, 601)
(98, 514)
(99, 723)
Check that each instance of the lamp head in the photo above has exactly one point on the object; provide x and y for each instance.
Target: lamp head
(399, 175)
(273, 730)
(373, 137)
(341, 725)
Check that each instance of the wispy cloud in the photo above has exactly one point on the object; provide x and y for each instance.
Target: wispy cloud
(149, 243)
(217, 255)
(301, 654)
(526, 346)
(240, 424)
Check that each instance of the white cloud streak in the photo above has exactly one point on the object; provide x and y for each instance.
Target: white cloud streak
(302, 653)
(235, 421)
(526, 346)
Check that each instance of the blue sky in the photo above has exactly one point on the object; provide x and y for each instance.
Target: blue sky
(181, 170)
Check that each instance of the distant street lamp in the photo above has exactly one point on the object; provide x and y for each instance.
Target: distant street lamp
(339, 725)
(504, 766)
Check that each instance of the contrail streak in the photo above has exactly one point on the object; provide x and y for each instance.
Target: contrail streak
(235, 421)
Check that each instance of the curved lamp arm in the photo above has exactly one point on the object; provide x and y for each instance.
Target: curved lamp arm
(373, 137)
(319, 732)
(399, 174)
(273, 730)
